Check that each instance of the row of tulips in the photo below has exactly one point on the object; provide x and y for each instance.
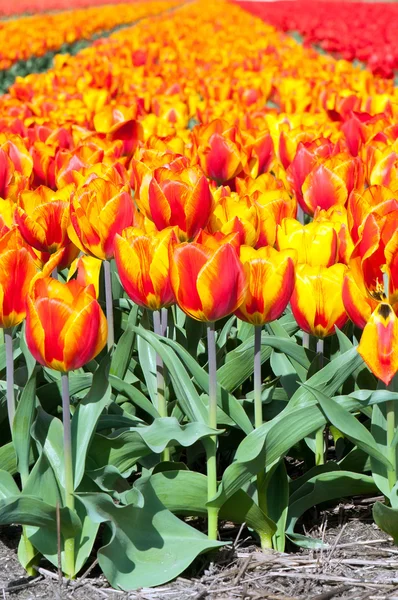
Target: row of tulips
(214, 168)
(369, 38)
(25, 7)
(34, 36)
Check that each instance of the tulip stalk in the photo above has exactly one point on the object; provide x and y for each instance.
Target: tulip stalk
(109, 303)
(320, 434)
(266, 542)
(211, 446)
(69, 543)
(390, 414)
(9, 376)
(160, 328)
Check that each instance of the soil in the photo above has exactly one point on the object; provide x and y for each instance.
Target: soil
(359, 562)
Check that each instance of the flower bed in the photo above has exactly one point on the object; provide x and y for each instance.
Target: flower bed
(198, 271)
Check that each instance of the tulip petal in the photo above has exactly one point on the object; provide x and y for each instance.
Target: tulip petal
(379, 343)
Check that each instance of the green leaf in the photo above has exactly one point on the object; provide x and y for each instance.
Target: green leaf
(124, 448)
(387, 519)
(29, 510)
(349, 425)
(277, 504)
(185, 493)
(21, 427)
(325, 487)
(147, 361)
(226, 401)
(8, 459)
(149, 545)
(8, 487)
(134, 395)
(86, 416)
(29, 360)
(48, 432)
(187, 396)
(122, 353)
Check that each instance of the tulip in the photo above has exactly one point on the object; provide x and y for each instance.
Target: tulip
(379, 342)
(98, 211)
(234, 214)
(272, 206)
(316, 243)
(358, 303)
(316, 302)
(208, 284)
(337, 216)
(219, 150)
(87, 270)
(270, 277)
(375, 199)
(65, 329)
(43, 218)
(181, 199)
(143, 265)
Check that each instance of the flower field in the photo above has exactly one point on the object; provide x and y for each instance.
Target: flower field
(198, 290)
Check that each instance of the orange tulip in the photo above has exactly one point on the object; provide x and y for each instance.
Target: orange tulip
(270, 278)
(316, 302)
(316, 243)
(273, 206)
(43, 218)
(379, 342)
(87, 270)
(180, 198)
(357, 301)
(17, 269)
(143, 266)
(65, 326)
(337, 216)
(375, 199)
(208, 284)
(98, 211)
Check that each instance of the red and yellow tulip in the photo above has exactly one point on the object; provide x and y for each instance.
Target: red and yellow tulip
(143, 265)
(316, 302)
(65, 326)
(270, 278)
(316, 244)
(208, 283)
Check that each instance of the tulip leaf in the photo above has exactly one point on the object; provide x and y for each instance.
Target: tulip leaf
(147, 362)
(16, 353)
(123, 448)
(185, 493)
(379, 431)
(21, 427)
(122, 353)
(387, 519)
(50, 393)
(29, 510)
(277, 504)
(86, 416)
(8, 487)
(349, 426)
(48, 432)
(186, 393)
(324, 487)
(134, 395)
(273, 439)
(226, 401)
(8, 458)
(29, 360)
(149, 545)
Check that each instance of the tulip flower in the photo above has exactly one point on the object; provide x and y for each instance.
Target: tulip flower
(379, 342)
(143, 265)
(270, 278)
(357, 301)
(65, 326)
(337, 216)
(87, 271)
(208, 284)
(234, 214)
(181, 199)
(65, 329)
(316, 302)
(98, 211)
(272, 206)
(43, 218)
(219, 150)
(316, 243)
(375, 199)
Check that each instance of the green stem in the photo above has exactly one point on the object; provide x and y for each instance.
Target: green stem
(10, 376)
(211, 445)
(109, 303)
(160, 327)
(266, 541)
(320, 434)
(69, 543)
(392, 473)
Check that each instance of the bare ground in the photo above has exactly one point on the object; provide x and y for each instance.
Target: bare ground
(359, 562)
